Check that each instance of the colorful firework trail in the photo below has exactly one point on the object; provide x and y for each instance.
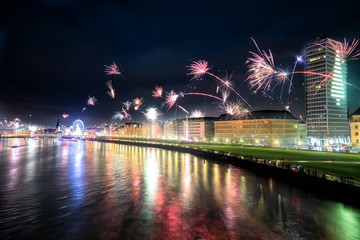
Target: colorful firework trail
(91, 101)
(158, 92)
(111, 91)
(203, 94)
(183, 109)
(65, 115)
(200, 67)
(126, 114)
(113, 69)
(118, 116)
(171, 97)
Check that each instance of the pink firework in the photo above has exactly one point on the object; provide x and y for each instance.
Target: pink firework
(225, 95)
(91, 101)
(346, 50)
(186, 111)
(262, 72)
(111, 91)
(198, 68)
(65, 115)
(203, 94)
(170, 99)
(113, 69)
(157, 93)
(126, 114)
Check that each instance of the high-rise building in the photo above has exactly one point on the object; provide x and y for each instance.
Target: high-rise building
(326, 98)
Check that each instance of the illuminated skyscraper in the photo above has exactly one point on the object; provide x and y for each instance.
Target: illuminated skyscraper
(326, 101)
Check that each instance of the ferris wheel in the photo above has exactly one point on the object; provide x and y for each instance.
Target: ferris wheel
(78, 127)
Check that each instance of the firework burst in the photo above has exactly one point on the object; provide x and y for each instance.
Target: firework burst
(263, 74)
(84, 108)
(65, 115)
(118, 116)
(235, 110)
(198, 68)
(171, 98)
(127, 105)
(152, 114)
(345, 50)
(113, 69)
(111, 91)
(91, 101)
(158, 92)
(137, 102)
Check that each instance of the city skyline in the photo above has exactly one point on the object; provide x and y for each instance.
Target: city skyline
(42, 64)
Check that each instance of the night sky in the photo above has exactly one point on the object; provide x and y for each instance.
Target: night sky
(53, 52)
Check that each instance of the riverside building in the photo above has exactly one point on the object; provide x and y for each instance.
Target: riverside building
(266, 128)
(326, 99)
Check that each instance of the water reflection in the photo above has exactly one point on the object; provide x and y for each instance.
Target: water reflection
(76, 189)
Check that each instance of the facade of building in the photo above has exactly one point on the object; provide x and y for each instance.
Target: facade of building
(355, 128)
(269, 128)
(195, 128)
(170, 129)
(326, 98)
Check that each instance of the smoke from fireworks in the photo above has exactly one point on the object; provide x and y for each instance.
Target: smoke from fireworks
(65, 115)
(152, 114)
(111, 91)
(127, 104)
(157, 93)
(113, 69)
(197, 114)
(91, 101)
(118, 116)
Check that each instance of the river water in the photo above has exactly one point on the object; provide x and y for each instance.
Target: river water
(53, 189)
